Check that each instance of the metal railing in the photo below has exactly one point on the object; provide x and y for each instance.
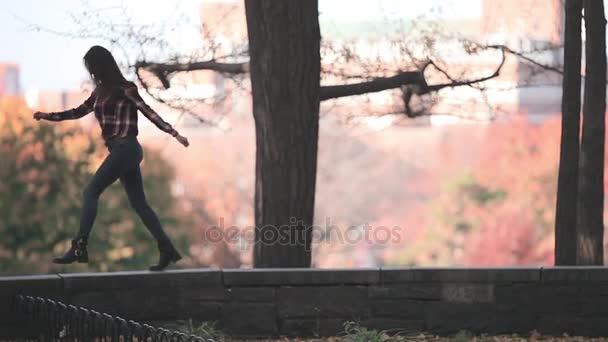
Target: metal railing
(42, 319)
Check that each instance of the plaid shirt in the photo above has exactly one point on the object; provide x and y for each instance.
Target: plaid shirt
(116, 112)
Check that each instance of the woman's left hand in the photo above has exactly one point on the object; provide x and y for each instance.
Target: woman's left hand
(182, 140)
(40, 115)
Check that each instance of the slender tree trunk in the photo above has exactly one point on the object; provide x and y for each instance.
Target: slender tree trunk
(591, 181)
(567, 185)
(284, 43)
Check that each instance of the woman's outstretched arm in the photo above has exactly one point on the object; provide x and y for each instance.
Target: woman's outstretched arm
(71, 114)
(132, 93)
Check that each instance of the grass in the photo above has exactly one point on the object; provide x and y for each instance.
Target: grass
(202, 329)
(354, 332)
(357, 333)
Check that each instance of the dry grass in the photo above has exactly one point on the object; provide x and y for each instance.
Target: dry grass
(353, 332)
(432, 338)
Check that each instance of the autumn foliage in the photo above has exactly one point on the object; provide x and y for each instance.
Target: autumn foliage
(497, 210)
(461, 195)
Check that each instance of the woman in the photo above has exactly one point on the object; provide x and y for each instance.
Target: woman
(115, 102)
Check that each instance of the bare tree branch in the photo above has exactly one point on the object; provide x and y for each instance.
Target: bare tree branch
(456, 83)
(166, 103)
(163, 70)
(413, 79)
(375, 85)
(527, 59)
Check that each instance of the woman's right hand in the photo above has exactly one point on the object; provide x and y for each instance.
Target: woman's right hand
(182, 140)
(40, 115)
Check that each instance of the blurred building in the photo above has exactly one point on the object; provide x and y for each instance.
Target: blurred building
(519, 89)
(224, 30)
(9, 79)
(55, 100)
(510, 23)
(518, 25)
(224, 20)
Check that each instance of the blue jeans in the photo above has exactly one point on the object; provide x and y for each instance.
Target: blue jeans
(122, 163)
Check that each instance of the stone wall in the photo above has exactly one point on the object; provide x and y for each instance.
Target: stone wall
(310, 302)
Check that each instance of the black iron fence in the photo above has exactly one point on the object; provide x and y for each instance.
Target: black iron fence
(42, 319)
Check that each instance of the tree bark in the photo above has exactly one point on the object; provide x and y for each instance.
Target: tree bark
(567, 185)
(591, 180)
(285, 67)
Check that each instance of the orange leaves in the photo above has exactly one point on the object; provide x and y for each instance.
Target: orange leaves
(506, 203)
(12, 107)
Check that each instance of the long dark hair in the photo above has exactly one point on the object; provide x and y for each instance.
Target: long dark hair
(103, 67)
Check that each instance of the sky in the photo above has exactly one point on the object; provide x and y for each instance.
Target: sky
(52, 61)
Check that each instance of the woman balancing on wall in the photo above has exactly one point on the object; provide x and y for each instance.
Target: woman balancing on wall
(115, 102)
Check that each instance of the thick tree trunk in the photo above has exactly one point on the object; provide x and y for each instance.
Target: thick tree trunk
(285, 66)
(567, 186)
(591, 181)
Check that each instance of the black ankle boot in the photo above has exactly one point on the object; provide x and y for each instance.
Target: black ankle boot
(168, 254)
(76, 253)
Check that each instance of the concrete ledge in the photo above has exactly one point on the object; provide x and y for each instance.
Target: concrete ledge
(310, 302)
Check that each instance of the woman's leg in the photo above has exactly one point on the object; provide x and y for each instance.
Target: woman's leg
(109, 171)
(133, 184)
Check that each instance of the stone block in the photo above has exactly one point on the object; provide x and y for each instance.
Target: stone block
(591, 306)
(467, 293)
(588, 290)
(575, 275)
(448, 318)
(404, 309)
(328, 301)
(252, 294)
(559, 299)
(300, 277)
(519, 323)
(305, 327)
(516, 297)
(390, 275)
(428, 291)
(254, 320)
